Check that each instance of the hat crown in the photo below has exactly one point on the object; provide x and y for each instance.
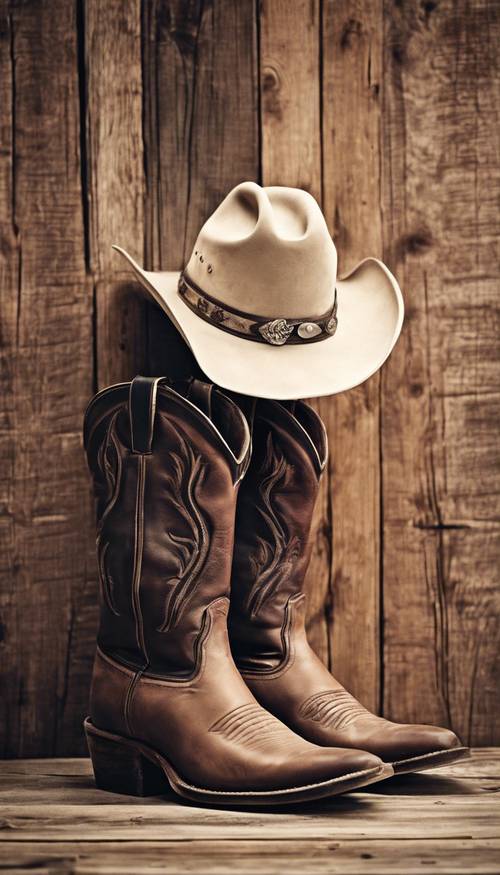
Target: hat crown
(267, 251)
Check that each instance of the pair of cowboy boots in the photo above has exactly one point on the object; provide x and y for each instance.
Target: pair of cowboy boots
(252, 717)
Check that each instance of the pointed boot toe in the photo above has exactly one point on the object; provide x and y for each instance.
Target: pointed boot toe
(345, 763)
(420, 747)
(330, 770)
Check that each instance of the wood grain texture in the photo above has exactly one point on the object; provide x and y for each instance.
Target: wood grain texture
(224, 857)
(201, 131)
(46, 375)
(116, 183)
(52, 819)
(441, 392)
(327, 856)
(352, 78)
(290, 94)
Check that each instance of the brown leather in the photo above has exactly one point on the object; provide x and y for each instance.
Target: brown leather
(166, 466)
(267, 617)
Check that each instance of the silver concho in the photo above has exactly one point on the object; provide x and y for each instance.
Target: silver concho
(308, 329)
(276, 332)
(331, 325)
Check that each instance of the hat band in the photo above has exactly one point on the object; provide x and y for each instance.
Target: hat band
(278, 331)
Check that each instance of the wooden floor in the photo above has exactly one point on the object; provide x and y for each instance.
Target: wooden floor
(52, 820)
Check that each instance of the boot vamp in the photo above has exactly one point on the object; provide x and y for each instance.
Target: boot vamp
(216, 744)
(340, 719)
(306, 697)
(394, 741)
(210, 729)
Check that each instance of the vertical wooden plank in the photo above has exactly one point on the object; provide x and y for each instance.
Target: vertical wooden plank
(290, 94)
(201, 128)
(441, 391)
(290, 68)
(352, 55)
(116, 183)
(46, 373)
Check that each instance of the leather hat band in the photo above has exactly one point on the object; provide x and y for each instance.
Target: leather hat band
(278, 331)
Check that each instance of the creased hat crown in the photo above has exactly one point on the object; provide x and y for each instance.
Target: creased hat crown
(267, 251)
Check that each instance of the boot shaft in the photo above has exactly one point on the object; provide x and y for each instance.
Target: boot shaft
(273, 522)
(165, 690)
(166, 464)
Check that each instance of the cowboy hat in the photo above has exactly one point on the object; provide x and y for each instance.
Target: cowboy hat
(260, 304)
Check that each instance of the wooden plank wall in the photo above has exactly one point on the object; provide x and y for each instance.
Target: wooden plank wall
(128, 122)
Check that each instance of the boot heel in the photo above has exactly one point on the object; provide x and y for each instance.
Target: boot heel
(119, 767)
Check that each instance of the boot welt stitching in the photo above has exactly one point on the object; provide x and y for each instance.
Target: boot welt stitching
(431, 753)
(244, 793)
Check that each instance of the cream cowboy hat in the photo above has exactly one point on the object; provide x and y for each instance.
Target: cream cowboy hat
(260, 304)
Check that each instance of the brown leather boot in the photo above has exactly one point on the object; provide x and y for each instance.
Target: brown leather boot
(266, 620)
(168, 705)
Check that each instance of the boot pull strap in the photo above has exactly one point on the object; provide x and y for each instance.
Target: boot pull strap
(201, 394)
(142, 409)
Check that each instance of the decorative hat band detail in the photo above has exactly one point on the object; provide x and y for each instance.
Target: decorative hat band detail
(277, 331)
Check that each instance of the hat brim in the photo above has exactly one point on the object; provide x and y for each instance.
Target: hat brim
(370, 317)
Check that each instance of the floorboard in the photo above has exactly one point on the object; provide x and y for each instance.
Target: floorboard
(53, 820)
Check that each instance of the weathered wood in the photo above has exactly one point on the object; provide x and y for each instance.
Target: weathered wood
(376, 816)
(352, 78)
(116, 183)
(381, 818)
(46, 378)
(201, 130)
(290, 94)
(441, 398)
(326, 856)
(53, 819)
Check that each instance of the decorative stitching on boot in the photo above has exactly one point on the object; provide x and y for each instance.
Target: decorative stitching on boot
(127, 709)
(107, 583)
(138, 554)
(273, 558)
(110, 464)
(251, 726)
(335, 709)
(190, 550)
